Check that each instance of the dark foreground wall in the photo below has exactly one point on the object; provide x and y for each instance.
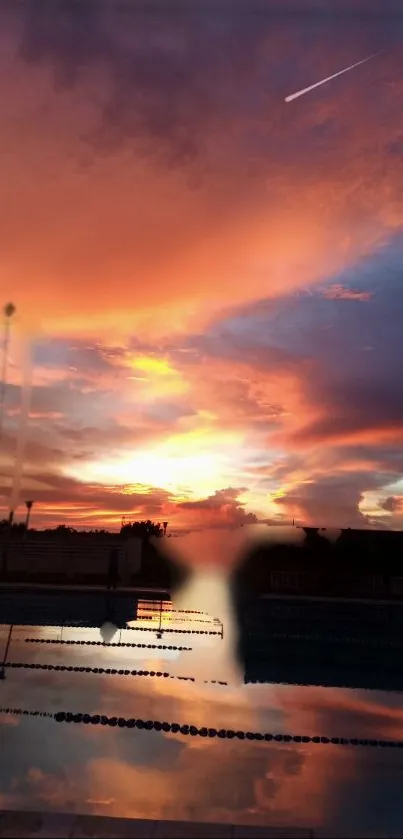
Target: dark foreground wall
(74, 608)
(299, 617)
(32, 824)
(85, 561)
(318, 642)
(360, 563)
(366, 564)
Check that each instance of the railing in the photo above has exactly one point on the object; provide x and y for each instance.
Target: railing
(329, 581)
(48, 561)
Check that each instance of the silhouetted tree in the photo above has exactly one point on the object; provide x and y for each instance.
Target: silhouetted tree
(63, 531)
(141, 530)
(14, 529)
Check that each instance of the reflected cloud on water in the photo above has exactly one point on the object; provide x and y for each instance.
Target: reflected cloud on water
(149, 774)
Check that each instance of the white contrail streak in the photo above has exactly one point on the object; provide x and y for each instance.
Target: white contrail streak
(328, 79)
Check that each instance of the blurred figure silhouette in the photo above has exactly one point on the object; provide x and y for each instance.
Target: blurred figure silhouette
(314, 541)
(113, 569)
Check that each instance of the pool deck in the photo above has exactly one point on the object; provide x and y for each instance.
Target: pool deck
(24, 824)
(91, 587)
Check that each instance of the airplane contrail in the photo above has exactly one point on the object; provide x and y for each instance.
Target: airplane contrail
(329, 78)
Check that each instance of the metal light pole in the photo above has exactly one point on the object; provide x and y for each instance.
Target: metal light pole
(28, 505)
(8, 312)
(2, 668)
(159, 632)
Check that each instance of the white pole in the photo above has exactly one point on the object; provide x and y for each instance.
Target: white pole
(9, 310)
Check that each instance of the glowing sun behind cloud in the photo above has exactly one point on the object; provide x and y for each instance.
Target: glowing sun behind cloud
(160, 379)
(190, 464)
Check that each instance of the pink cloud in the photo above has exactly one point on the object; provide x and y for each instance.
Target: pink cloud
(338, 292)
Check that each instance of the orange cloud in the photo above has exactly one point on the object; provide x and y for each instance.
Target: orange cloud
(136, 227)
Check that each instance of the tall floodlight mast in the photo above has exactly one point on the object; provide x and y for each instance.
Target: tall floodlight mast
(8, 312)
(28, 505)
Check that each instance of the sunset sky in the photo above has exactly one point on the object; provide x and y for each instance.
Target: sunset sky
(208, 280)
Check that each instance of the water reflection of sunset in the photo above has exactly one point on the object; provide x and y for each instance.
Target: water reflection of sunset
(149, 774)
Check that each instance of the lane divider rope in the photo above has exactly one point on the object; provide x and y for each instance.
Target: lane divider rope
(108, 671)
(103, 644)
(223, 733)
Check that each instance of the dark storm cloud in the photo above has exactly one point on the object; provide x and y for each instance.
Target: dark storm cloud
(332, 501)
(338, 292)
(39, 450)
(81, 403)
(207, 84)
(393, 504)
(91, 359)
(315, 323)
(44, 400)
(354, 407)
(163, 62)
(225, 505)
(111, 434)
(347, 351)
(238, 339)
(60, 491)
(172, 69)
(386, 459)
